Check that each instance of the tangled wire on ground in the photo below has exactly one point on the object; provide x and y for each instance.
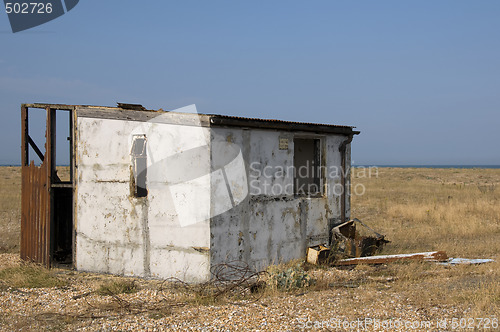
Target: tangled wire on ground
(234, 281)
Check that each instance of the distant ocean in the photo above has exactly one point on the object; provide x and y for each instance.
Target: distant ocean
(432, 166)
(19, 165)
(402, 166)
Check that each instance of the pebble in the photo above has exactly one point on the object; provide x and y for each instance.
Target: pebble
(56, 308)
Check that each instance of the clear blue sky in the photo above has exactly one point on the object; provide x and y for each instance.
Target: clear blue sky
(420, 79)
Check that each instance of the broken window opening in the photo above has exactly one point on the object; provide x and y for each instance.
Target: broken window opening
(36, 130)
(139, 166)
(62, 145)
(307, 165)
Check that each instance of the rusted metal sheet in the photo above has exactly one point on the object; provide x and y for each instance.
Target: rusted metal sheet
(434, 256)
(352, 241)
(35, 200)
(234, 121)
(35, 217)
(347, 241)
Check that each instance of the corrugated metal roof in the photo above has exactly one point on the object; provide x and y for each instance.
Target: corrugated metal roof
(277, 121)
(231, 121)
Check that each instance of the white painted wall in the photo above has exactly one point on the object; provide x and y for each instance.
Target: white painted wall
(271, 225)
(155, 236)
(209, 200)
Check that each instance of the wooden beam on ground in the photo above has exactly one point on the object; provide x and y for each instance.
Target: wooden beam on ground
(434, 256)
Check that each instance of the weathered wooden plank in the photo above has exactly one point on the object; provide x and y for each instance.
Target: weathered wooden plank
(53, 106)
(186, 119)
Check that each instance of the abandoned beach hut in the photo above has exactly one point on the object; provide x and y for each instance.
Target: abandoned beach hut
(171, 194)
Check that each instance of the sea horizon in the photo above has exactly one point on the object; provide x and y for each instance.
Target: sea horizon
(372, 165)
(429, 166)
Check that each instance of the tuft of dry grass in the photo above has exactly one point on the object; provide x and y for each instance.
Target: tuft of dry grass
(29, 276)
(116, 287)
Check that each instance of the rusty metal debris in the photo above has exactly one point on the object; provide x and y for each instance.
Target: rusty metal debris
(355, 239)
(318, 254)
(352, 245)
(349, 239)
(433, 256)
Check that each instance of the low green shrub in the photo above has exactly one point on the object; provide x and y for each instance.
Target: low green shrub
(289, 278)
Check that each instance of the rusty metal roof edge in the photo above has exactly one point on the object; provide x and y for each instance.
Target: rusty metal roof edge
(226, 120)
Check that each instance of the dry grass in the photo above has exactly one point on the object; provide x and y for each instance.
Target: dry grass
(10, 208)
(116, 287)
(29, 276)
(456, 210)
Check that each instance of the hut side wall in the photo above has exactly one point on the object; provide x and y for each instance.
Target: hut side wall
(150, 236)
(271, 224)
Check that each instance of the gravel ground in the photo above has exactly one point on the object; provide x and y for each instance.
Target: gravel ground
(78, 308)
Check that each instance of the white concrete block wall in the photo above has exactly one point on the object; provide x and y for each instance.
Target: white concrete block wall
(271, 226)
(204, 205)
(122, 234)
